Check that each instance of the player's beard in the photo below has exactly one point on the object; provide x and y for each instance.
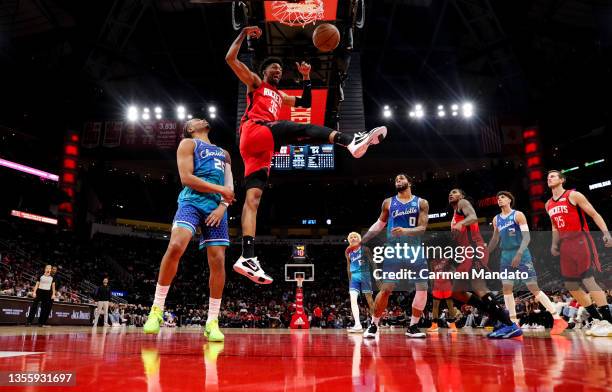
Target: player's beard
(401, 188)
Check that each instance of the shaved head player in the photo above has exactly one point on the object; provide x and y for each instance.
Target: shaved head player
(260, 131)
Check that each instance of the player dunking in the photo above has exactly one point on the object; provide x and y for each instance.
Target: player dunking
(358, 259)
(206, 174)
(260, 132)
(466, 234)
(405, 217)
(573, 242)
(511, 232)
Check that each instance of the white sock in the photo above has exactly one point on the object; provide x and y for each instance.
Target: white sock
(161, 292)
(214, 304)
(510, 305)
(375, 320)
(355, 307)
(547, 303)
(414, 320)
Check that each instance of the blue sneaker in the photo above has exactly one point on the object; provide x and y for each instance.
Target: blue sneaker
(511, 331)
(506, 332)
(496, 331)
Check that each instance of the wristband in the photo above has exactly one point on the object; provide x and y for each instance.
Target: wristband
(226, 204)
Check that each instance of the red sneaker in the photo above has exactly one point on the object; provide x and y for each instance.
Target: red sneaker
(559, 326)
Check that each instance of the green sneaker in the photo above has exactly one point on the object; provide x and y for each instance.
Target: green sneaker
(212, 332)
(156, 317)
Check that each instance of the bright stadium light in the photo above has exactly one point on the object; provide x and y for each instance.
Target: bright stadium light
(181, 116)
(180, 112)
(213, 115)
(468, 110)
(146, 110)
(146, 116)
(387, 113)
(132, 114)
(158, 116)
(189, 116)
(419, 112)
(440, 107)
(455, 107)
(212, 109)
(411, 114)
(386, 107)
(158, 110)
(441, 113)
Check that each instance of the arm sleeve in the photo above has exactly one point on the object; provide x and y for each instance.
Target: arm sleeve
(305, 101)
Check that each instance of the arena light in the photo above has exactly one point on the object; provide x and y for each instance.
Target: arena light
(213, 115)
(132, 113)
(34, 217)
(329, 221)
(411, 114)
(180, 112)
(587, 164)
(468, 110)
(189, 116)
(441, 113)
(29, 170)
(158, 110)
(146, 116)
(571, 169)
(387, 113)
(158, 116)
(212, 109)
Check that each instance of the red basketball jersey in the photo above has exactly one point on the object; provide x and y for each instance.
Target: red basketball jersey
(567, 218)
(263, 104)
(470, 234)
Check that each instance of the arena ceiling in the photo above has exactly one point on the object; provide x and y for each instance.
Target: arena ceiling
(65, 61)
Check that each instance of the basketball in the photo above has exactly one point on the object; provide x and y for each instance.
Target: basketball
(326, 37)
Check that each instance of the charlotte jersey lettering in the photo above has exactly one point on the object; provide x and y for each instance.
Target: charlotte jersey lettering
(510, 235)
(263, 104)
(404, 215)
(359, 264)
(209, 165)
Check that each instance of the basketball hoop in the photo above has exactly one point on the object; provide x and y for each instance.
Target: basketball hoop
(298, 13)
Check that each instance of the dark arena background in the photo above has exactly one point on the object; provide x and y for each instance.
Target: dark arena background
(477, 95)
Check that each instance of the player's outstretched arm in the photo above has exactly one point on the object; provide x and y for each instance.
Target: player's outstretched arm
(581, 201)
(243, 72)
(380, 223)
(184, 159)
(305, 101)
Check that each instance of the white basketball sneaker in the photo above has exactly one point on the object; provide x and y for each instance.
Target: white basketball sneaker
(355, 329)
(603, 329)
(362, 140)
(252, 270)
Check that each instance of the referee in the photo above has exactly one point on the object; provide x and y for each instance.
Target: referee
(43, 295)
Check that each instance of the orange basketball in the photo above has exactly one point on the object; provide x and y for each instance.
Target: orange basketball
(326, 37)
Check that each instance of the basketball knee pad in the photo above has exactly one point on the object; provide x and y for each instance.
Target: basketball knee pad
(420, 300)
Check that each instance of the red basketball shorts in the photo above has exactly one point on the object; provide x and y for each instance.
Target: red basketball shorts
(256, 147)
(578, 256)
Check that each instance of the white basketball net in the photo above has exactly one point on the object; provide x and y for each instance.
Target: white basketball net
(298, 14)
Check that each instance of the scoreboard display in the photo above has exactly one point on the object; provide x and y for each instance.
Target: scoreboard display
(304, 157)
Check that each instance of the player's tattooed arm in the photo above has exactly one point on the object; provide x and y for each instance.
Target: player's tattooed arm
(581, 201)
(243, 72)
(184, 159)
(469, 212)
(422, 222)
(380, 223)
